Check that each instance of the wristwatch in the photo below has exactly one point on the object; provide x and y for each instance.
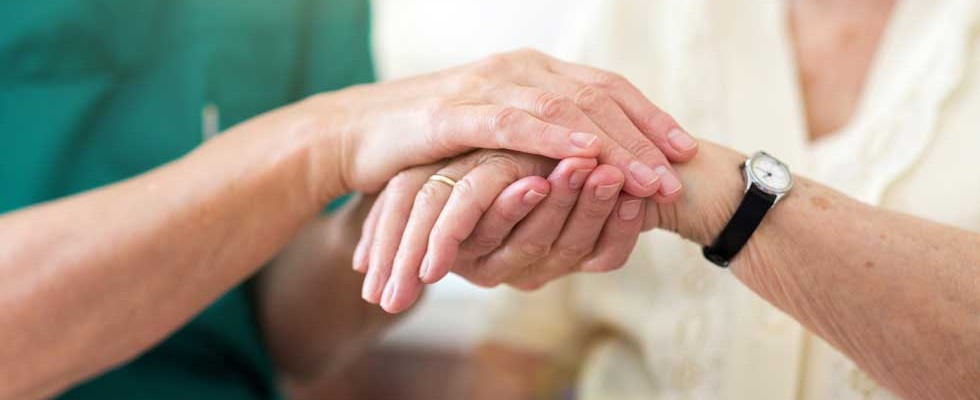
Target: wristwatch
(767, 180)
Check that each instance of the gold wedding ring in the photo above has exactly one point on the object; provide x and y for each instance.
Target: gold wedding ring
(444, 179)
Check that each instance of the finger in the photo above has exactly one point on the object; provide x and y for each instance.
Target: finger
(470, 200)
(399, 196)
(404, 287)
(564, 182)
(360, 259)
(648, 166)
(533, 238)
(513, 204)
(623, 145)
(619, 236)
(581, 231)
(503, 127)
(660, 127)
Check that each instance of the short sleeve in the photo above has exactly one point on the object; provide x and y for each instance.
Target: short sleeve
(338, 203)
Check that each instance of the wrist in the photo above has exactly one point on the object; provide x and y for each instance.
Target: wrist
(325, 129)
(713, 188)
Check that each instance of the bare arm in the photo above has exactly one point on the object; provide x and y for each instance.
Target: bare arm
(309, 305)
(898, 294)
(91, 280)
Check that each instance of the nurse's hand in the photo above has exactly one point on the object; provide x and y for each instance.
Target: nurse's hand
(503, 222)
(523, 101)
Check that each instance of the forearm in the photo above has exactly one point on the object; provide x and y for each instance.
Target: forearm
(92, 280)
(897, 294)
(310, 308)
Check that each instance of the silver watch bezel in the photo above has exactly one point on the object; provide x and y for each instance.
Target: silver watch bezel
(751, 179)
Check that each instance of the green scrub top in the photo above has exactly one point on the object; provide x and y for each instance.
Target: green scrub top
(92, 92)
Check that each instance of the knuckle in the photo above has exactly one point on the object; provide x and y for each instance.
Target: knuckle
(465, 188)
(551, 106)
(643, 149)
(573, 252)
(461, 165)
(505, 119)
(659, 122)
(506, 164)
(505, 124)
(590, 99)
(513, 165)
(533, 251)
(607, 79)
(469, 197)
(483, 242)
(429, 196)
(507, 215)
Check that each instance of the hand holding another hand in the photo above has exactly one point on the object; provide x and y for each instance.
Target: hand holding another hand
(503, 222)
(523, 101)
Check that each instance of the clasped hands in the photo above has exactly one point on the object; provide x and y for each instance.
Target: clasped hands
(522, 219)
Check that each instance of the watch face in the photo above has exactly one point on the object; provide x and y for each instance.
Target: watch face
(771, 174)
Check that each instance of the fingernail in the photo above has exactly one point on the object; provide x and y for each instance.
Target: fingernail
(643, 174)
(533, 197)
(670, 184)
(370, 287)
(582, 139)
(577, 179)
(425, 266)
(606, 192)
(680, 140)
(388, 295)
(629, 210)
(359, 256)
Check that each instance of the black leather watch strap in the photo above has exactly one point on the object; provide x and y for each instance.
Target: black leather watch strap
(746, 219)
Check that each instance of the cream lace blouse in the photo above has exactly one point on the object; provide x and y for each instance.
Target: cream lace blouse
(676, 327)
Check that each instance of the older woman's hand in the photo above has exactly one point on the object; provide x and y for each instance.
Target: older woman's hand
(502, 223)
(524, 101)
